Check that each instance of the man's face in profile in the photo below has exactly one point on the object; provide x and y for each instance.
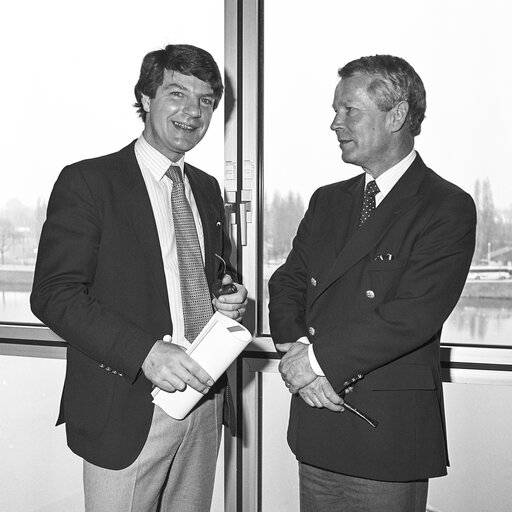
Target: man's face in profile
(364, 132)
(179, 115)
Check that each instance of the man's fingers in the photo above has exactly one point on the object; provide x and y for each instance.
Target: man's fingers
(307, 399)
(329, 392)
(320, 394)
(334, 407)
(239, 297)
(180, 378)
(227, 279)
(170, 368)
(195, 376)
(329, 398)
(232, 305)
(284, 347)
(328, 404)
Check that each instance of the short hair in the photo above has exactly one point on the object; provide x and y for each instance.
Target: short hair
(394, 80)
(183, 58)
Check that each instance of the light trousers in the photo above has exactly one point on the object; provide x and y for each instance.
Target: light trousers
(175, 471)
(326, 491)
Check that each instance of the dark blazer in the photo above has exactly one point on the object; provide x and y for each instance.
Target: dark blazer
(376, 321)
(100, 284)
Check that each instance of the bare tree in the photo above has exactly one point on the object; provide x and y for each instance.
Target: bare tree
(7, 237)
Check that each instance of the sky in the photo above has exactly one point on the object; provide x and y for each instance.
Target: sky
(69, 69)
(69, 75)
(457, 47)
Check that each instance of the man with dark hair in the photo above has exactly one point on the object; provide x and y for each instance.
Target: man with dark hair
(377, 265)
(131, 247)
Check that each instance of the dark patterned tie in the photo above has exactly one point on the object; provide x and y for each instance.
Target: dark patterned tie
(195, 296)
(368, 201)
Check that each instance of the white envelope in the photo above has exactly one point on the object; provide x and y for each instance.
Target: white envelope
(215, 348)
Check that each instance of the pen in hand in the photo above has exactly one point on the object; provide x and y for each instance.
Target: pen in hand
(363, 416)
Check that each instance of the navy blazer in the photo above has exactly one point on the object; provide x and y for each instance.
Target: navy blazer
(100, 284)
(375, 320)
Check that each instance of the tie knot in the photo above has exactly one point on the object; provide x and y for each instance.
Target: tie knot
(371, 188)
(174, 173)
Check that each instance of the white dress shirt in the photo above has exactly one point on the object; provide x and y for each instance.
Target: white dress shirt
(153, 166)
(386, 181)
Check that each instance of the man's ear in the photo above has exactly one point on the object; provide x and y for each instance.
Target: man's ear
(146, 101)
(399, 115)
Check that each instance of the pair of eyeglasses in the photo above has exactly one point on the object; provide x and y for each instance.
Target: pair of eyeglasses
(218, 288)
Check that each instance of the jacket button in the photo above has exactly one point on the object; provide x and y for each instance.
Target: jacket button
(102, 365)
(120, 374)
(311, 331)
(313, 281)
(108, 368)
(370, 294)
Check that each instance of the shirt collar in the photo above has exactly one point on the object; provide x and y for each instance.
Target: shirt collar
(388, 179)
(156, 162)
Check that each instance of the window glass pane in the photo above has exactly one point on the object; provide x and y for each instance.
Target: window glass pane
(464, 138)
(69, 73)
(479, 473)
(38, 471)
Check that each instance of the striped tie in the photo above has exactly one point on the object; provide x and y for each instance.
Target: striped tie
(195, 296)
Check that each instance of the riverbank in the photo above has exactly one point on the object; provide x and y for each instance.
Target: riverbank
(16, 277)
(20, 277)
(491, 289)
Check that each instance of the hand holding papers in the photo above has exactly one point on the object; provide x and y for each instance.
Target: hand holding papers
(215, 348)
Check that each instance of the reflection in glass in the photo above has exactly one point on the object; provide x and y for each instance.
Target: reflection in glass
(38, 470)
(456, 140)
(478, 427)
(20, 228)
(48, 130)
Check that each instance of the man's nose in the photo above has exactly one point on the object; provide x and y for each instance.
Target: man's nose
(193, 108)
(338, 121)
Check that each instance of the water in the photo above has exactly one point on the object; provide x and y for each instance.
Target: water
(15, 307)
(474, 321)
(480, 321)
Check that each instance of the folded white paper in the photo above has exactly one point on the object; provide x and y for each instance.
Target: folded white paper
(215, 348)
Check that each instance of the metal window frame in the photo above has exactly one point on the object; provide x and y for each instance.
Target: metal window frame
(244, 184)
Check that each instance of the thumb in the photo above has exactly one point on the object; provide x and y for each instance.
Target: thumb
(227, 279)
(284, 347)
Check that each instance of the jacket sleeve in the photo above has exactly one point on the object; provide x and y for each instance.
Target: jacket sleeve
(288, 286)
(65, 271)
(427, 291)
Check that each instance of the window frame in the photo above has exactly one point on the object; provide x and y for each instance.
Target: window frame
(244, 181)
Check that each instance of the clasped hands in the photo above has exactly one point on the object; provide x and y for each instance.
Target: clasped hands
(300, 378)
(170, 368)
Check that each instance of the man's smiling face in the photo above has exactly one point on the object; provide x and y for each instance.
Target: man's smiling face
(179, 115)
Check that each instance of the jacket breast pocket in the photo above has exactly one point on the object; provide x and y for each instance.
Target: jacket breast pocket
(385, 277)
(386, 265)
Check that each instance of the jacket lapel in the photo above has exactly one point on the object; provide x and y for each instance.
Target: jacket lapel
(337, 227)
(400, 199)
(140, 216)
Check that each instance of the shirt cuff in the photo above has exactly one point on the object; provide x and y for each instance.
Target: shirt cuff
(312, 358)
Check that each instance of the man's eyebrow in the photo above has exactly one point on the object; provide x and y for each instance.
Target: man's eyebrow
(176, 84)
(185, 88)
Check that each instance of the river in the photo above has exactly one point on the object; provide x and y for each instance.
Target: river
(476, 321)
